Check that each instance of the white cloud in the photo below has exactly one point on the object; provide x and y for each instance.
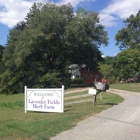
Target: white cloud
(118, 9)
(75, 2)
(13, 11)
(108, 20)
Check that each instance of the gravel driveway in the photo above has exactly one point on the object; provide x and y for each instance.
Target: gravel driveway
(121, 122)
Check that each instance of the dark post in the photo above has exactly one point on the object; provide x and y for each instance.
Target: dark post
(94, 100)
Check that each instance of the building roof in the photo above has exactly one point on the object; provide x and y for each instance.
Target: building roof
(74, 68)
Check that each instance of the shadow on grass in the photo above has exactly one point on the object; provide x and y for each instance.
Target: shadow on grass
(107, 104)
(69, 108)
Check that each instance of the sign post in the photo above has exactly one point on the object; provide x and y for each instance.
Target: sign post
(93, 92)
(44, 100)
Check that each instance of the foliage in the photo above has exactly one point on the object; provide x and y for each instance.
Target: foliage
(109, 60)
(135, 76)
(106, 67)
(51, 37)
(53, 79)
(129, 36)
(126, 62)
(13, 104)
(2, 67)
(76, 81)
(1, 51)
(9, 82)
(106, 70)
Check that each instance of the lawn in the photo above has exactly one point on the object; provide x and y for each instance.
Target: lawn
(127, 86)
(17, 125)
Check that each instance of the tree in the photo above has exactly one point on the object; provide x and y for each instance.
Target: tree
(1, 51)
(126, 63)
(109, 60)
(48, 41)
(2, 67)
(129, 36)
(106, 68)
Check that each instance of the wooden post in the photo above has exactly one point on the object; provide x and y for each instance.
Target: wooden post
(94, 100)
(25, 98)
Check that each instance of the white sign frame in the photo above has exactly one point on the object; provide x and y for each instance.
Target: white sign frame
(44, 100)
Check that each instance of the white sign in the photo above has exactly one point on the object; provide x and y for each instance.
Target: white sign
(44, 100)
(92, 91)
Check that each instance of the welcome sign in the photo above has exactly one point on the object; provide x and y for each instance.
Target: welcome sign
(44, 100)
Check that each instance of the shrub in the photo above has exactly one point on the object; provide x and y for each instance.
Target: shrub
(77, 81)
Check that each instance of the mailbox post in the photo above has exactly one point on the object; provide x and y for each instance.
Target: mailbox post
(98, 87)
(94, 100)
(95, 96)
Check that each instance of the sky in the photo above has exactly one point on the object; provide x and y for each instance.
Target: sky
(112, 13)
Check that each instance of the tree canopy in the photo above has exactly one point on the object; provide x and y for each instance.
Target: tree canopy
(2, 67)
(1, 51)
(129, 36)
(109, 60)
(40, 48)
(106, 67)
(126, 63)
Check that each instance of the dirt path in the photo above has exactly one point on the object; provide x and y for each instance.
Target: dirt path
(121, 122)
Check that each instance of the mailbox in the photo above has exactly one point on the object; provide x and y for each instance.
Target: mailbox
(100, 86)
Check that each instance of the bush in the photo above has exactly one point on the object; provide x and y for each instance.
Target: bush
(77, 81)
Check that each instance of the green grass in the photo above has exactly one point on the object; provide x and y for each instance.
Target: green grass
(78, 99)
(17, 125)
(75, 88)
(76, 93)
(127, 86)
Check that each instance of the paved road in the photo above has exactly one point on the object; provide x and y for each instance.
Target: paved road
(121, 122)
